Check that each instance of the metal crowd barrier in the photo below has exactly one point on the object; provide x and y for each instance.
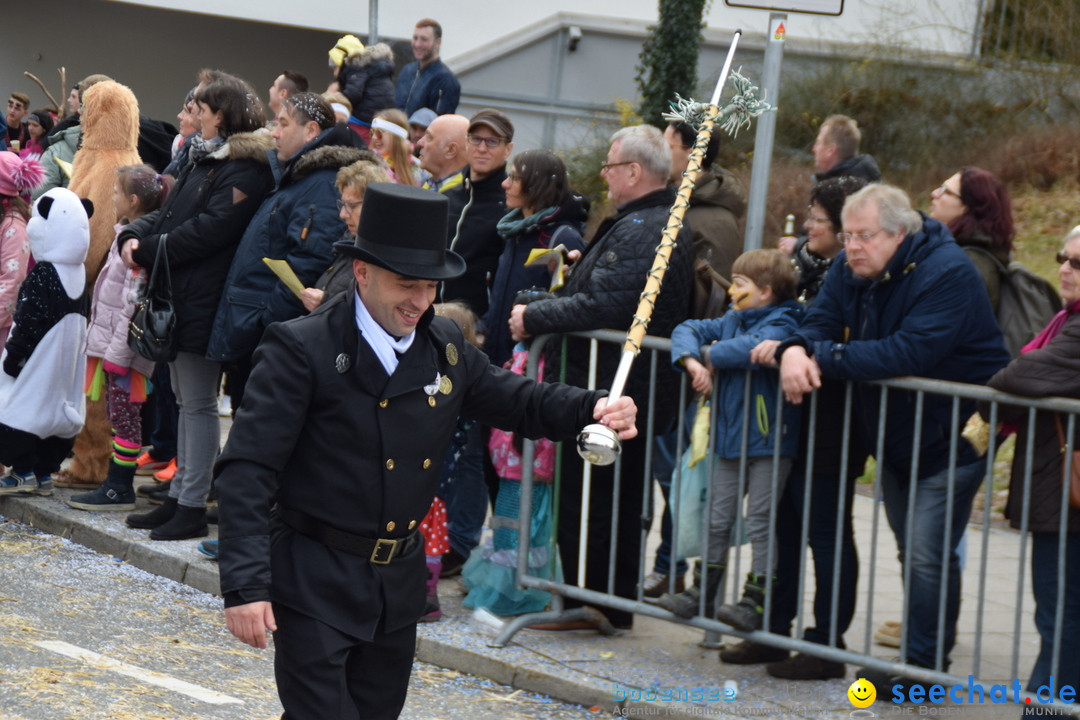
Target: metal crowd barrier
(655, 352)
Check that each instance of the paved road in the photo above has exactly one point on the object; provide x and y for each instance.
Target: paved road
(84, 636)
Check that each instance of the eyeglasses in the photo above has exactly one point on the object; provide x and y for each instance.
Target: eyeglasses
(491, 142)
(863, 238)
(513, 177)
(351, 205)
(608, 166)
(816, 220)
(945, 190)
(1062, 258)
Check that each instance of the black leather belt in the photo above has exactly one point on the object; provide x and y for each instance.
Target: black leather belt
(379, 551)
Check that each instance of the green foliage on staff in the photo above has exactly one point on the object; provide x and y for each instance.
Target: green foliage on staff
(668, 58)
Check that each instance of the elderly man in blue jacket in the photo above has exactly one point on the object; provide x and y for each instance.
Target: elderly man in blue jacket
(906, 301)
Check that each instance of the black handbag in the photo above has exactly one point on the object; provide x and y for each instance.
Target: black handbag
(152, 329)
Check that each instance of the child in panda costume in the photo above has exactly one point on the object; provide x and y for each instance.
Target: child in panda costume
(42, 369)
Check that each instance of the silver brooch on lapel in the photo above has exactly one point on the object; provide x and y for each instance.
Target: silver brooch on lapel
(343, 362)
(432, 388)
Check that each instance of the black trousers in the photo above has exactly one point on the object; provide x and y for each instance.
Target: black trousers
(22, 450)
(325, 674)
(602, 514)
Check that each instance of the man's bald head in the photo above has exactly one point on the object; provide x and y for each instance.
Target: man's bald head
(442, 149)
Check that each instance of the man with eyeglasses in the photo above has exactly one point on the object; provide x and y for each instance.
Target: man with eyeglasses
(477, 206)
(602, 291)
(903, 299)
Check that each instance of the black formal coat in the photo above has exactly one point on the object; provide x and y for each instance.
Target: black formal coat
(323, 430)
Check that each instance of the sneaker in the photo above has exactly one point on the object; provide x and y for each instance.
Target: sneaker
(656, 584)
(167, 474)
(209, 548)
(145, 464)
(25, 484)
(806, 667)
(44, 486)
(104, 499)
(752, 653)
(888, 634)
(744, 615)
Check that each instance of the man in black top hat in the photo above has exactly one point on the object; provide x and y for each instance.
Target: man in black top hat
(335, 455)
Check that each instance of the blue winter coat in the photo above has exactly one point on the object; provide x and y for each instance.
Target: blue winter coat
(928, 315)
(733, 336)
(297, 222)
(433, 87)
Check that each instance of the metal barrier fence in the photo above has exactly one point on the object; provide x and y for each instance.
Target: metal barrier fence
(914, 390)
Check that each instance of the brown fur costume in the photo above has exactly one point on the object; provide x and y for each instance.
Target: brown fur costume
(110, 122)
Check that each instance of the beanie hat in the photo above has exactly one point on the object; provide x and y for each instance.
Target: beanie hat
(19, 176)
(346, 45)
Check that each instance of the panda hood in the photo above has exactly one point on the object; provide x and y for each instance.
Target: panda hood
(59, 233)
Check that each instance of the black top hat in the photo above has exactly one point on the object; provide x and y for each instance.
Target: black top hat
(403, 229)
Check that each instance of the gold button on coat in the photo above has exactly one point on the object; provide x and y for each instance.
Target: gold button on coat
(412, 524)
(431, 401)
(390, 526)
(390, 464)
(427, 463)
(383, 403)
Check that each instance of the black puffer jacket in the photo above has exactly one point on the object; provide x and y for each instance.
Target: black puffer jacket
(1053, 370)
(475, 211)
(861, 166)
(366, 79)
(204, 217)
(603, 291)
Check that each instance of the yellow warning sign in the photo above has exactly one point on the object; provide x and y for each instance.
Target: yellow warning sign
(780, 33)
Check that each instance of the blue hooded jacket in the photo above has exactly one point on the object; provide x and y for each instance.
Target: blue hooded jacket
(928, 315)
(733, 336)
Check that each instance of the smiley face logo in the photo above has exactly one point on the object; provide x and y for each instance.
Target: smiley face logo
(862, 693)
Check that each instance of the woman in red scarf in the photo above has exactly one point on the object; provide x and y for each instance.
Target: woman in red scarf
(1049, 365)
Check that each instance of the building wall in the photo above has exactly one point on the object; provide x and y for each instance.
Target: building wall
(155, 52)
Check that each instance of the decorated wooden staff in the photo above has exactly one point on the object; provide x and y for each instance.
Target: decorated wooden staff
(597, 444)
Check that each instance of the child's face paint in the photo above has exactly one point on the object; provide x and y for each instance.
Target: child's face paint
(745, 294)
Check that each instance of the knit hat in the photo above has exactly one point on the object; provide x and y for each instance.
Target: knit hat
(19, 176)
(346, 45)
(422, 117)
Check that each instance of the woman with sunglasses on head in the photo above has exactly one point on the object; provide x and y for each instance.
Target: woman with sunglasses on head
(975, 205)
(544, 212)
(390, 138)
(1049, 365)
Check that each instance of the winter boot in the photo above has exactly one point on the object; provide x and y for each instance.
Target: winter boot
(186, 523)
(686, 603)
(115, 494)
(746, 614)
(154, 518)
(432, 611)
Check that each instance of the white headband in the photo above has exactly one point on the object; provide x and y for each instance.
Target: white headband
(338, 107)
(380, 124)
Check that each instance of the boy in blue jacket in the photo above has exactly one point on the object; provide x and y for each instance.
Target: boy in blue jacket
(763, 308)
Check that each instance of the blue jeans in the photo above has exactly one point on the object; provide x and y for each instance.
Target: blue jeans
(467, 504)
(1044, 585)
(931, 496)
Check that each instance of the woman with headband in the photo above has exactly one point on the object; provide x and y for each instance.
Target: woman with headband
(390, 138)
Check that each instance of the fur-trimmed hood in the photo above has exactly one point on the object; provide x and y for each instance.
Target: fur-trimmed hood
(246, 146)
(372, 54)
(329, 157)
(110, 117)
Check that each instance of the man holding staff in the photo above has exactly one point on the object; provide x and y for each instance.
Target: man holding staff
(602, 292)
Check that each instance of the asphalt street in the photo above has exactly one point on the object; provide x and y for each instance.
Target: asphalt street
(83, 635)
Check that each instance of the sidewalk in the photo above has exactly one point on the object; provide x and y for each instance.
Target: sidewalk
(610, 672)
